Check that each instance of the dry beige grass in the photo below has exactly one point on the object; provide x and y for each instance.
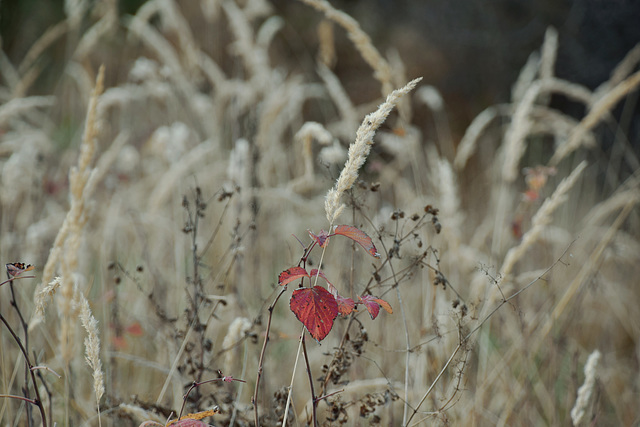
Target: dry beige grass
(108, 215)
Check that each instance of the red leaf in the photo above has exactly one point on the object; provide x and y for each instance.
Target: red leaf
(322, 238)
(188, 422)
(358, 236)
(291, 274)
(316, 308)
(135, 329)
(373, 305)
(345, 305)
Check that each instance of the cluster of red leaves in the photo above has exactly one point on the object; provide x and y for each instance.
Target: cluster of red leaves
(317, 307)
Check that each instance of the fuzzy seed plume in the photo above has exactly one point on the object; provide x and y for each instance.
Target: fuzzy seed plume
(585, 391)
(359, 150)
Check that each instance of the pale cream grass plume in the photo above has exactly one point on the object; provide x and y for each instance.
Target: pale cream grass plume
(599, 213)
(255, 58)
(514, 140)
(327, 46)
(175, 20)
(342, 102)
(446, 184)
(541, 220)
(469, 142)
(362, 42)
(549, 53)
(333, 154)
(51, 34)
(235, 334)
(20, 174)
(20, 106)
(92, 346)
(586, 389)
(43, 295)
(203, 153)
(621, 72)
(527, 76)
(10, 76)
(597, 111)
(268, 30)
(256, 9)
(75, 11)
(359, 150)
(239, 167)
(560, 126)
(210, 9)
(434, 101)
(309, 132)
(108, 23)
(65, 250)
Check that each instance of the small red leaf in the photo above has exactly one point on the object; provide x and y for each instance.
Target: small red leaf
(316, 308)
(188, 422)
(291, 274)
(135, 329)
(358, 236)
(322, 238)
(373, 305)
(345, 305)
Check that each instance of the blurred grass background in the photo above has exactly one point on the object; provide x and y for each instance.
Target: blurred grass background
(212, 94)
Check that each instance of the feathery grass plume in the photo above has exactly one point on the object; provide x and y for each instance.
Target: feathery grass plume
(541, 219)
(255, 58)
(341, 100)
(362, 42)
(65, 250)
(92, 347)
(46, 293)
(235, 334)
(514, 145)
(327, 49)
(527, 75)
(478, 126)
(597, 112)
(584, 392)
(549, 53)
(18, 106)
(307, 133)
(359, 150)
(621, 72)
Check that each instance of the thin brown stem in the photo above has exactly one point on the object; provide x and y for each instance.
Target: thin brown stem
(313, 395)
(464, 340)
(254, 399)
(38, 399)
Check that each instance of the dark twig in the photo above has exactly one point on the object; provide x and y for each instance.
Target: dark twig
(254, 399)
(464, 340)
(313, 394)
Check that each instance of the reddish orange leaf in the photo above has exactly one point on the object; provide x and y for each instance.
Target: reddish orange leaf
(316, 308)
(345, 305)
(135, 329)
(291, 274)
(373, 305)
(358, 236)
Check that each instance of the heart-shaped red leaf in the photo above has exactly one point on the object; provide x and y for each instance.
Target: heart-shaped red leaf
(358, 236)
(291, 274)
(316, 308)
(373, 305)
